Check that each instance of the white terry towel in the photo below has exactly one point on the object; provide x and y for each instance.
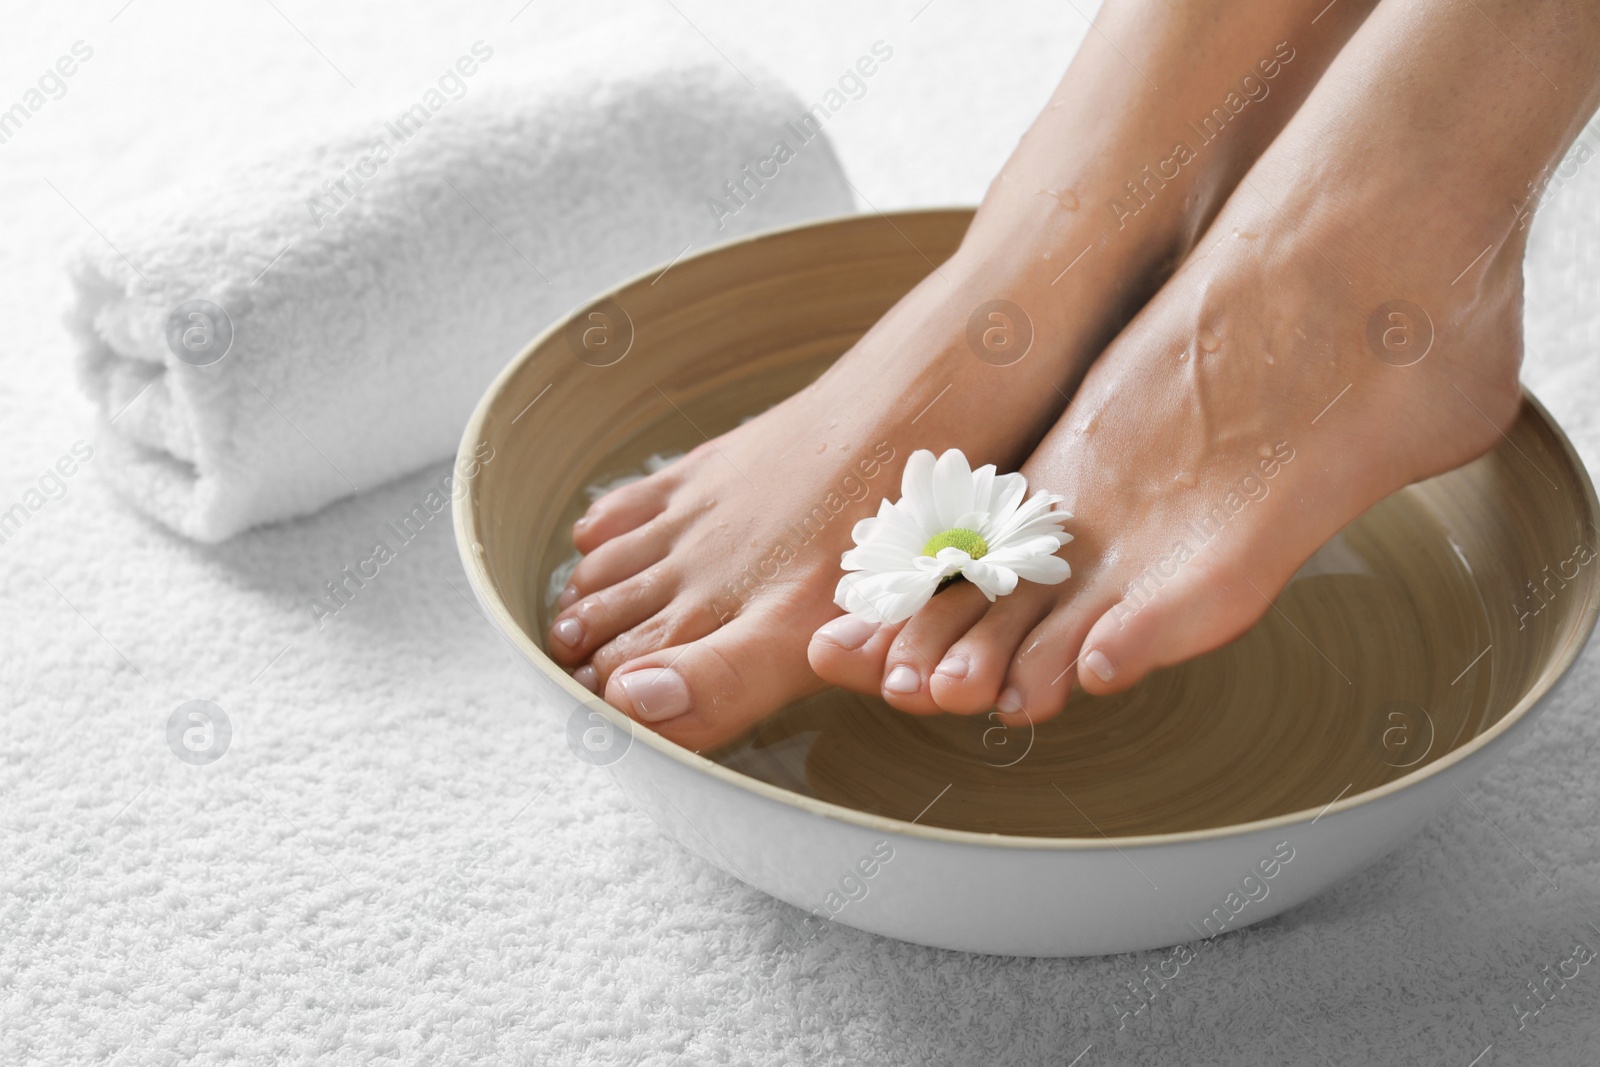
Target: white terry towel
(376, 281)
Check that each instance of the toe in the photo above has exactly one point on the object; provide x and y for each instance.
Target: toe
(1138, 634)
(849, 652)
(685, 619)
(708, 692)
(625, 508)
(969, 677)
(1042, 672)
(919, 653)
(617, 560)
(591, 622)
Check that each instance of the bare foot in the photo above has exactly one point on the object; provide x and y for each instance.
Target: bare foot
(701, 584)
(1343, 331)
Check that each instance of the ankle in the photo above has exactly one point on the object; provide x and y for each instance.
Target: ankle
(1386, 231)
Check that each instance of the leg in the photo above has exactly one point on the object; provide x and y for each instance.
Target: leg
(1267, 395)
(651, 619)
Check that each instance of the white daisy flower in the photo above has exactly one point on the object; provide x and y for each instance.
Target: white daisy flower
(950, 520)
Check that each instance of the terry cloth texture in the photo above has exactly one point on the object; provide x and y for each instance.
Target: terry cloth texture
(321, 318)
(398, 860)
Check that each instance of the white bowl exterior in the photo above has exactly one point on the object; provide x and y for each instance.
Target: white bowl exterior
(1012, 897)
(1022, 901)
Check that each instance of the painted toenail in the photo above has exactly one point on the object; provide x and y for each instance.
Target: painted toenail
(587, 677)
(1010, 701)
(903, 680)
(569, 595)
(953, 667)
(1101, 665)
(849, 632)
(568, 631)
(657, 693)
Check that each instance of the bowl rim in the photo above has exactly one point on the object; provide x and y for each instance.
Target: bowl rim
(467, 534)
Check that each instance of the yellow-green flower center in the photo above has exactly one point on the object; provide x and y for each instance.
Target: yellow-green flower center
(969, 541)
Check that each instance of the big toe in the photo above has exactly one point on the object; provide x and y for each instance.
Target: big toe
(708, 692)
(1178, 622)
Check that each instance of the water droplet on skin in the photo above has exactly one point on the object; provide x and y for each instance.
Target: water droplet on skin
(1185, 479)
(1047, 255)
(822, 448)
(1268, 356)
(1067, 198)
(1265, 451)
(1209, 342)
(1183, 357)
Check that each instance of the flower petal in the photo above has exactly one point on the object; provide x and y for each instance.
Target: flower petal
(983, 489)
(886, 598)
(949, 561)
(1018, 548)
(952, 488)
(1030, 520)
(878, 558)
(992, 581)
(861, 533)
(1006, 494)
(1046, 570)
(898, 529)
(916, 491)
(973, 520)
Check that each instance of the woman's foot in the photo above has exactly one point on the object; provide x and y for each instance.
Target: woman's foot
(701, 584)
(1344, 331)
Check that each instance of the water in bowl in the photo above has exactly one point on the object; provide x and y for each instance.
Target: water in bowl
(1371, 664)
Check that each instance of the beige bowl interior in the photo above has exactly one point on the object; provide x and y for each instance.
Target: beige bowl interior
(1430, 623)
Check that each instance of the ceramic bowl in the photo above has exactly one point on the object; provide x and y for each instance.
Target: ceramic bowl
(1213, 796)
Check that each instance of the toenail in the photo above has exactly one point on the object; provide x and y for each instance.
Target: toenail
(903, 680)
(849, 632)
(1099, 663)
(953, 667)
(1010, 701)
(568, 631)
(587, 677)
(657, 693)
(568, 596)
(579, 526)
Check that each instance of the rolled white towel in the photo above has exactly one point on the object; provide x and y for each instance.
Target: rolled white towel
(374, 282)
